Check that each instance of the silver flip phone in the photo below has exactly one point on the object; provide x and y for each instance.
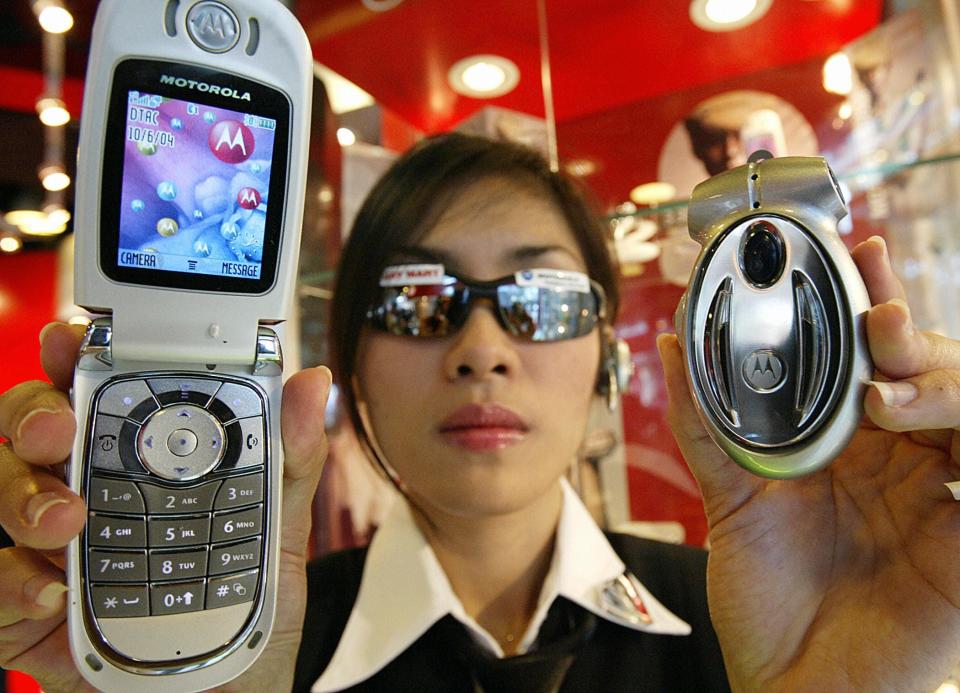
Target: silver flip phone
(192, 168)
(772, 322)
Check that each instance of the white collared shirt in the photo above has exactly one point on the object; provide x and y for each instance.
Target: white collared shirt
(390, 614)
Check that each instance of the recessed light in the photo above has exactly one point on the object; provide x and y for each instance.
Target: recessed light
(346, 137)
(838, 74)
(10, 244)
(727, 15)
(57, 214)
(48, 226)
(484, 76)
(54, 178)
(53, 112)
(16, 217)
(53, 17)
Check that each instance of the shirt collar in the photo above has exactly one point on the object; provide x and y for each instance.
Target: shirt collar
(404, 591)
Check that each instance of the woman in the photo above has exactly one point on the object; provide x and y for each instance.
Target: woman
(841, 580)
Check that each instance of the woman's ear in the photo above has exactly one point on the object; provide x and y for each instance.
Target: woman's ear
(616, 367)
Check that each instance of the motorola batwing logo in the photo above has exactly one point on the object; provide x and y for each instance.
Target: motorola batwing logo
(764, 370)
(213, 27)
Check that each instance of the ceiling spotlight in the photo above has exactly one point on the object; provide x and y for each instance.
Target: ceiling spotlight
(53, 16)
(43, 227)
(346, 137)
(484, 76)
(54, 178)
(10, 244)
(53, 112)
(838, 74)
(727, 15)
(57, 214)
(16, 217)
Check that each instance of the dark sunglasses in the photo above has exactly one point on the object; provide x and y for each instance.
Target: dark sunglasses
(536, 305)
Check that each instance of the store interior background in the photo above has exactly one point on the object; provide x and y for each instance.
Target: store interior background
(642, 104)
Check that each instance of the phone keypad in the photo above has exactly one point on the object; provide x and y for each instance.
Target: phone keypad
(117, 532)
(158, 545)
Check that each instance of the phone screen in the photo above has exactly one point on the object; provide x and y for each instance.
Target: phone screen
(194, 179)
(195, 191)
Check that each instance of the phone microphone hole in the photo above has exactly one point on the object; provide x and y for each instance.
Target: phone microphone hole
(93, 662)
(211, 366)
(254, 639)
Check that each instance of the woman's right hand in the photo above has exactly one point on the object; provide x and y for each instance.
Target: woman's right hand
(41, 515)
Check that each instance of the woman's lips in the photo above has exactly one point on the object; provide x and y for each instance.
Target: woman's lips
(483, 427)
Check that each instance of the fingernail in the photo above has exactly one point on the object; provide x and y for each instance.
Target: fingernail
(879, 240)
(40, 504)
(896, 394)
(327, 373)
(46, 328)
(50, 596)
(661, 341)
(25, 419)
(954, 487)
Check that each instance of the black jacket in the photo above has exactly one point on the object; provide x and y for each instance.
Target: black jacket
(576, 651)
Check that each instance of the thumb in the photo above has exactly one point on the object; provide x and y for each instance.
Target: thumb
(723, 483)
(305, 450)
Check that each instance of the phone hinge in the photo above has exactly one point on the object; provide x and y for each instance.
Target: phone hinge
(269, 361)
(96, 350)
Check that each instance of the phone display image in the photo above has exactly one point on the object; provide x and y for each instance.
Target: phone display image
(196, 182)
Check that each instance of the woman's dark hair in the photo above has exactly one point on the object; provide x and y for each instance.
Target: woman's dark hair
(408, 200)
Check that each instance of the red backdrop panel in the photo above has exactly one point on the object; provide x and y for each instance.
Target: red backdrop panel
(27, 303)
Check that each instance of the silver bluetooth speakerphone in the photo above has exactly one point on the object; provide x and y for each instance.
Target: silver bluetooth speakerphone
(772, 322)
(191, 175)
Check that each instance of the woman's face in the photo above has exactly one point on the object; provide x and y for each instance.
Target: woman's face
(479, 422)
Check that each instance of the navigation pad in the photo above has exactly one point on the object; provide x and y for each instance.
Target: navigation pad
(176, 496)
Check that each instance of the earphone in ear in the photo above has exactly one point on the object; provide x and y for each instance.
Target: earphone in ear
(615, 371)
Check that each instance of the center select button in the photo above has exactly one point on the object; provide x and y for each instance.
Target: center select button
(181, 442)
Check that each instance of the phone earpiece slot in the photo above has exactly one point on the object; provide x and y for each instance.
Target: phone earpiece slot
(170, 18)
(254, 41)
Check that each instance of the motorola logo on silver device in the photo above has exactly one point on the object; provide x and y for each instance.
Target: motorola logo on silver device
(763, 370)
(213, 27)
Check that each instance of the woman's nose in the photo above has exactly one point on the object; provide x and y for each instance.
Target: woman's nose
(481, 348)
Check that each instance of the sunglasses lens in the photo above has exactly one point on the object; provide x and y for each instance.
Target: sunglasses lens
(415, 311)
(546, 315)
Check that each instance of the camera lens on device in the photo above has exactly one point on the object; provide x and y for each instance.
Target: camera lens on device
(763, 254)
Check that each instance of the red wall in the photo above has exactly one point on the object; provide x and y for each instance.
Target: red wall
(27, 303)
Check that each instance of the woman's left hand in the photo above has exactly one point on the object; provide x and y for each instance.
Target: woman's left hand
(846, 579)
